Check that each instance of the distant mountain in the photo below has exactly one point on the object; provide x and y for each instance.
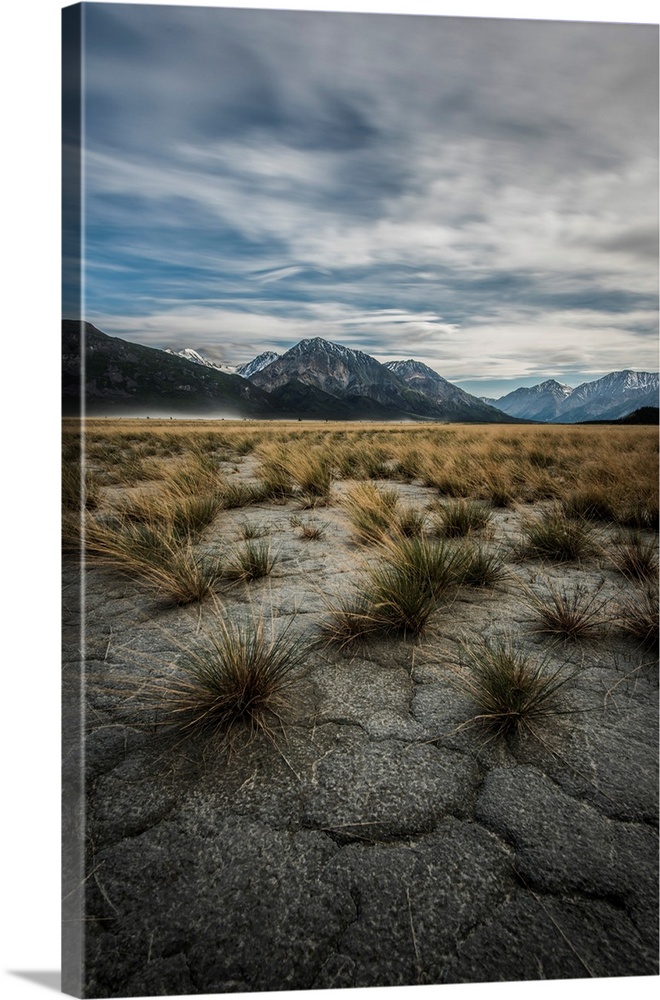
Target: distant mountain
(191, 355)
(252, 367)
(423, 379)
(540, 402)
(128, 378)
(607, 398)
(612, 396)
(356, 378)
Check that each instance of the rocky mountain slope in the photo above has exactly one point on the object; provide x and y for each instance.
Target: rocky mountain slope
(613, 396)
(423, 379)
(607, 398)
(356, 378)
(252, 367)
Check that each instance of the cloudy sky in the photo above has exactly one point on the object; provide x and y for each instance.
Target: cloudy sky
(478, 194)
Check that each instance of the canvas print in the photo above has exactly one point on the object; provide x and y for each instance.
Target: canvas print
(360, 500)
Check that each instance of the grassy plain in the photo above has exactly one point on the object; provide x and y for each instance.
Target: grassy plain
(353, 633)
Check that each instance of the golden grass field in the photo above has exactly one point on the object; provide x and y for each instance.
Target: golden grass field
(498, 463)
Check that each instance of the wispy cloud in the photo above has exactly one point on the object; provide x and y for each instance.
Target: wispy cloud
(480, 193)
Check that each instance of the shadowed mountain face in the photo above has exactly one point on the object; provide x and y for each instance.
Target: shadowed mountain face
(121, 377)
(607, 398)
(421, 378)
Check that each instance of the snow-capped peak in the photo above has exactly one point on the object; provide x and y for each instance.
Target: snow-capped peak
(318, 343)
(190, 355)
(252, 367)
(411, 369)
(553, 386)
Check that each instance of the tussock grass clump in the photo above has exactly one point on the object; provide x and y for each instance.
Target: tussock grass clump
(433, 565)
(190, 515)
(174, 511)
(410, 522)
(310, 531)
(409, 465)
(350, 620)
(641, 514)
(399, 595)
(512, 692)
(244, 446)
(72, 532)
(568, 613)
(251, 561)
(312, 474)
(147, 553)
(637, 616)
(460, 518)
(235, 685)
(275, 478)
(251, 529)
(498, 491)
(481, 567)
(234, 495)
(374, 461)
(557, 537)
(371, 510)
(635, 557)
(593, 503)
(195, 475)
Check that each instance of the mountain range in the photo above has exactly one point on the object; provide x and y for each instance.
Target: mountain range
(314, 379)
(608, 398)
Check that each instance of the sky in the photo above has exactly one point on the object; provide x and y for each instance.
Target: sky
(479, 194)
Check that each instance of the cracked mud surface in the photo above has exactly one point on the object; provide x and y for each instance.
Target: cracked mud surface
(383, 842)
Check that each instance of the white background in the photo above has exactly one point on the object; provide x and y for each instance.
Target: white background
(29, 383)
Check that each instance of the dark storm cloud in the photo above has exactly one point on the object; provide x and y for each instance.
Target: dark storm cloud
(472, 187)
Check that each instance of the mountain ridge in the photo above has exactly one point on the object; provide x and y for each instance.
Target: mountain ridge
(352, 374)
(610, 397)
(317, 378)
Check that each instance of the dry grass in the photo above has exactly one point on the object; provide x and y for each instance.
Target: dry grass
(513, 693)
(312, 474)
(481, 567)
(233, 685)
(637, 616)
(606, 473)
(409, 522)
(310, 531)
(398, 595)
(252, 529)
(636, 557)
(554, 536)
(147, 553)
(569, 613)
(371, 510)
(460, 518)
(233, 495)
(251, 561)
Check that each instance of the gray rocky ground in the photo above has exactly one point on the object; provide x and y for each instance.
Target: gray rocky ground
(381, 842)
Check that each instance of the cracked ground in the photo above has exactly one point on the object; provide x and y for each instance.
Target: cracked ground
(380, 841)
